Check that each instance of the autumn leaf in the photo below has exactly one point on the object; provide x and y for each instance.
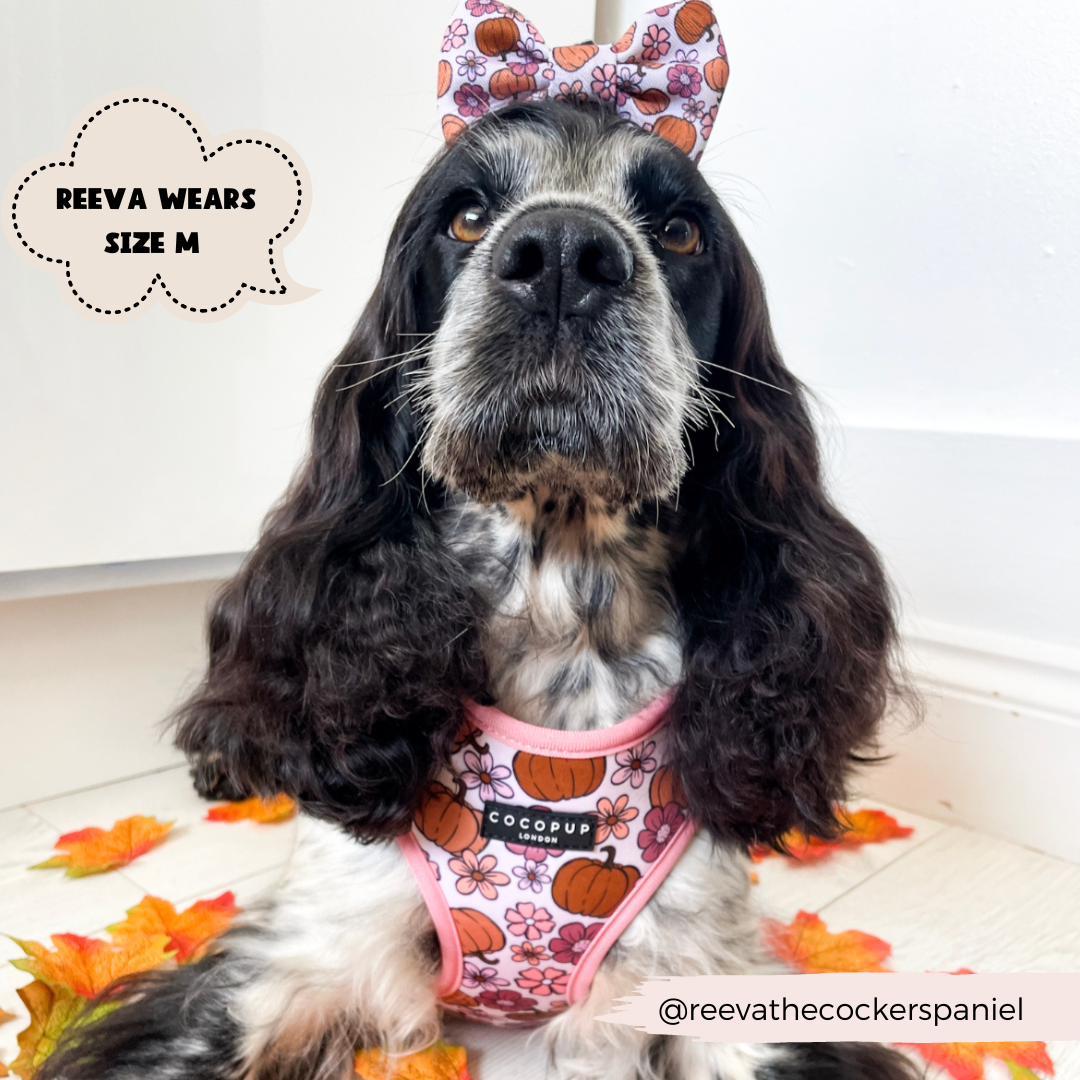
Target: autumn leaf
(5, 1017)
(93, 850)
(965, 1061)
(52, 1008)
(859, 827)
(188, 932)
(264, 811)
(808, 946)
(85, 966)
(440, 1061)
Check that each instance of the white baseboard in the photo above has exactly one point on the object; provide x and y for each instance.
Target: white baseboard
(999, 750)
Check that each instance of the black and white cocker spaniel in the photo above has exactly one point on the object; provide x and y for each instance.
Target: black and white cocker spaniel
(559, 469)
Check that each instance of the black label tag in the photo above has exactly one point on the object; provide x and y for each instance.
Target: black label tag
(539, 828)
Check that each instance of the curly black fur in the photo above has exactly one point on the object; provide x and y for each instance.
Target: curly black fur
(843, 1061)
(341, 652)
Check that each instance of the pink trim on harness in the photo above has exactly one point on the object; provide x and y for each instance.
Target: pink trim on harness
(536, 928)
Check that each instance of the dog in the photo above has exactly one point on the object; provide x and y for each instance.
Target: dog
(560, 469)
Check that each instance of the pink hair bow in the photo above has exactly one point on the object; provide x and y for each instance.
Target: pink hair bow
(667, 73)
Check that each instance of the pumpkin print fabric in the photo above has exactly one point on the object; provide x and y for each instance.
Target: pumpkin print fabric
(666, 74)
(524, 925)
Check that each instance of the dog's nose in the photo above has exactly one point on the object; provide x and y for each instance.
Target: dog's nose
(561, 261)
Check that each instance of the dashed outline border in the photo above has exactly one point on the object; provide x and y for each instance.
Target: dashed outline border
(157, 277)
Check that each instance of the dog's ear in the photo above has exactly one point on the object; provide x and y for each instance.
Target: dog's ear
(342, 650)
(786, 607)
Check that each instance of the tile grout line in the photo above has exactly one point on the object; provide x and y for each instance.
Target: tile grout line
(30, 803)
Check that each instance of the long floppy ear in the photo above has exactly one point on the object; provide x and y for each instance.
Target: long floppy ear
(786, 606)
(342, 650)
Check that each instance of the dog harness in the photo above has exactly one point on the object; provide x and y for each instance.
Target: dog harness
(535, 849)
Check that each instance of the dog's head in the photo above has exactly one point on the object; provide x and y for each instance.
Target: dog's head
(564, 302)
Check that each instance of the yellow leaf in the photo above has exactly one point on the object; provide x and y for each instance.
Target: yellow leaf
(264, 811)
(52, 1008)
(93, 850)
(85, 966)
(440, 1061)
(808, 946)
(187, 932)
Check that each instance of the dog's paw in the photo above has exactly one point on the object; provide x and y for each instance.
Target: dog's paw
(213, 782)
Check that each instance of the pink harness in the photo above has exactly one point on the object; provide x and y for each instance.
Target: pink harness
(533, 864)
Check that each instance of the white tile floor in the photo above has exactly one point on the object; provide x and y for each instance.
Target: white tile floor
(944, 897)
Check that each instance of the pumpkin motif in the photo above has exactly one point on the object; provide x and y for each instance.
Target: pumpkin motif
(505, 84)
(651, 102)
(445, 73)
(452, 127)
(716, 73)
(593, 887)
(445, 820)
(680, 133)
(459, 998)
(552, 779)
(694, 19)
(479, 935)
(496, 37)
(623, 43)
(572, 57)
(665, 788)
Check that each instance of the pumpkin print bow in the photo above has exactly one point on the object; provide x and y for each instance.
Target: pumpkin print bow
(667, 73)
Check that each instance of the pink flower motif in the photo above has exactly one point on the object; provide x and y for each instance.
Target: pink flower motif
(572, 942)
(694, 111)
(506, 1000)
(481, 978)
(527, 952)
(509, 12)
(531, 876)
(720, 46)
(660, 826)
(543, 983)
(528, 921)
(481, 7)
(433, 866)
(629, 83)
(455, 35)
(683, 80)
(531, 58)
(548, 73)
(481, 771)
(613, 818)
(707, 122)
(573, 92)
(663, 12)
(635, 763)
(684, 56)
(471, 66)
(605, 83)
(472, 100)
(476, 874)
(656, 42)
(532, 31)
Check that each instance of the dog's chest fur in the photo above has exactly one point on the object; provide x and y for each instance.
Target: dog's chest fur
(582, 630)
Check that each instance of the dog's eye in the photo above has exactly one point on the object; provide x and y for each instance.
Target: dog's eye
(469, 224)
(680, 235)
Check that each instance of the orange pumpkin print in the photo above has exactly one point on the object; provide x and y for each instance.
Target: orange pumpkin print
(505, 84)
(445, 820)
(452, 127)
(479, 935)
(651, 102)
(624, 42)
(458, 997)
(678, 132)
(496, 37)
(593, 887)
(693, 20)
(552, 779)
(665, 788)
(445, 74)
(572, 57)
(716, 73)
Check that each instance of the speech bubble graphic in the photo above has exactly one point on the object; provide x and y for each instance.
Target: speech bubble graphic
(144, 207)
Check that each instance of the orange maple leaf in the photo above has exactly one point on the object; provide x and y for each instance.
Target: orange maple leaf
(52, 1008)
(5, 1017)
(265, 811)
(85, 966)
(187, 932)
(807, 944)
(965, 1061)
(94, 850)
(440, 1061)
(859, 827)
